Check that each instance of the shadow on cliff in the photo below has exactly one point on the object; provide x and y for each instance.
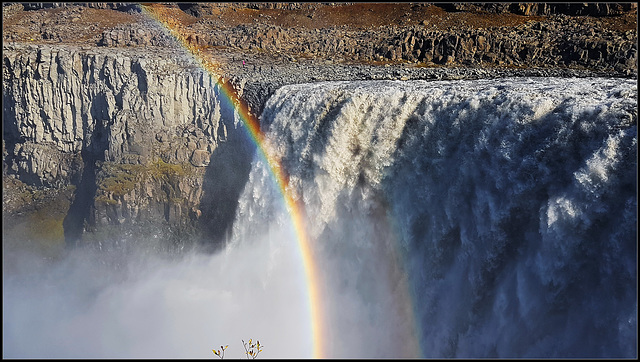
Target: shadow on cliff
(80, 209)
(81, 214)
(10, 131)
(224, 180)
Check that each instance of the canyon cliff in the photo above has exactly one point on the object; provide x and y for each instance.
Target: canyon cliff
(110, 128)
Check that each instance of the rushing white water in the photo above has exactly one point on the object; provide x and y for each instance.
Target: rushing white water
(509, 204)
(488, 218)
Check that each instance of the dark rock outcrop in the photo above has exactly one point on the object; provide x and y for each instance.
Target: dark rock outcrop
(529, 44)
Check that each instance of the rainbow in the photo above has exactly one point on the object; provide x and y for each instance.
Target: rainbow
(295, 208)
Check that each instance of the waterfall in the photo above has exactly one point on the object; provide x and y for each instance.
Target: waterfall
(475, 218)
(485, 218)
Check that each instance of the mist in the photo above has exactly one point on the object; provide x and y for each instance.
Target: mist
(135, 301)
(93, 304)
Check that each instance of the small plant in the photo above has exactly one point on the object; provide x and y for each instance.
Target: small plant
(220, 352)
(251, 349)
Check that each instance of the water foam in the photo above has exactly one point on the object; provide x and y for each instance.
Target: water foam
(500, 201)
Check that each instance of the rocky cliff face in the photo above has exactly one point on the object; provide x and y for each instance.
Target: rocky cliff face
(110, 128)
(530, 44)
(601, 37)
(134, 133)
(519, 34)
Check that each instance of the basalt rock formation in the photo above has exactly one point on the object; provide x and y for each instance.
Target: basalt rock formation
(133, 134)
(110, 126)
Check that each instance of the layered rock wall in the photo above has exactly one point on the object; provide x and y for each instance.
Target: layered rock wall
(109, 104)
(577, 36)
(531, 44)
(134, 133)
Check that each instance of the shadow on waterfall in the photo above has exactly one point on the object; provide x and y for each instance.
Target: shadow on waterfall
(482, 214)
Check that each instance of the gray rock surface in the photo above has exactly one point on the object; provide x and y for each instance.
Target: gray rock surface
(135, 129)
(112, 104)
